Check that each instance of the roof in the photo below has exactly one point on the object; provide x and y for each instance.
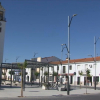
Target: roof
(48, 57)
(77, 60)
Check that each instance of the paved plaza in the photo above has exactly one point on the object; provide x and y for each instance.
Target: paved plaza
(35, 90)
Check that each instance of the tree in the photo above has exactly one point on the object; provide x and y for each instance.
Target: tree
(36, 74)
(80, 73)
(25, 73)
(55, 74)
(12, 73)
(45, 74)
(22, 67)
(87, 75)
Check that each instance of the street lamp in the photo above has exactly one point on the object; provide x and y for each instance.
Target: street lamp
(63, 48)
(95, 41)
(17, 58)
(6, 60)
(69, 23)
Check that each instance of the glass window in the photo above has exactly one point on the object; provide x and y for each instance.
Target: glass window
(86, 66)
(97, 78)
(50, 78)
(63, 69)
(57, 67)
(70, 67)
(1, 15)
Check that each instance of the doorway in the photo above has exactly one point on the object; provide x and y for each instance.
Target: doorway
(89, 81)
(71, 79)
(78, 80)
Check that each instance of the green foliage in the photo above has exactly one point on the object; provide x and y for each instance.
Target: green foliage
(25, 73)
(46, 84)
(88, 72)
(3, 73)
(11, 72)
(55, 74)
(36, 73)
(24, 65)
(46, 73)
(80, 72)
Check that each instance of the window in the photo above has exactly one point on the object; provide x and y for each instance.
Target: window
(97, 78)
(0, 29)
(63, 69)
(1, 15)
(86, 66)
(51, 68)
(78, 66)
(50, 78)
(57, 67)
(70, 67)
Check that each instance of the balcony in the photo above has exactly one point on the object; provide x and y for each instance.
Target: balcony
(3, 19)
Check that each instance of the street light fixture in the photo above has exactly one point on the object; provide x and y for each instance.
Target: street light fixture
(69, 23)
(17, 58)
(6, 60)
(65, 46)
(95, 41)
(35, 54)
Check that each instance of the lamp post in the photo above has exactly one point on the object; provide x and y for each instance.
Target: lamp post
(62, 52)
(95, 41)
(69, 23)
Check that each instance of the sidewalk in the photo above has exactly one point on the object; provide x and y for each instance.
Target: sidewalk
(38, 91)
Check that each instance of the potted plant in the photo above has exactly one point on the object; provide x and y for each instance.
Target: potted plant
(55, 75)
(36, 74)
(45, 74)
(46, 85)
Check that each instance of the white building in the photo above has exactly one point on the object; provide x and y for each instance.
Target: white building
(77, 65)
(46, 59)
(2, 31)
(39, 59)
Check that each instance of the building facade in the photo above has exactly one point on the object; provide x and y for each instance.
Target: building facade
(76, 66)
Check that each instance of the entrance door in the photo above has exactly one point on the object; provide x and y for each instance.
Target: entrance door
(89, 81)
(78, 80)
(71, 79)
(27, 78)
(84, 80)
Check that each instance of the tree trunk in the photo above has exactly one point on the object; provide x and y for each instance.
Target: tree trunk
(80, 82)
(21, 82)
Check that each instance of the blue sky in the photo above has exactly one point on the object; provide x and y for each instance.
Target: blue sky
(42, 26)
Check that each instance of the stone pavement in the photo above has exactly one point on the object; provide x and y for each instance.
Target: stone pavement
(38, 91)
